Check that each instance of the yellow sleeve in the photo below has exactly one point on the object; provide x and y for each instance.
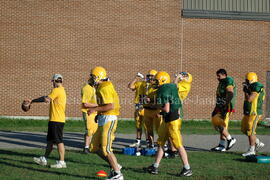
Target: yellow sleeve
(182, 88)
(86, 95)
(107, 95)
(54, 94)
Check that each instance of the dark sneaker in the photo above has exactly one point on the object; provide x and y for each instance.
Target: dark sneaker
(230, 143)
(220, 148)
(86, 151)
(151, 169)
(185, 172)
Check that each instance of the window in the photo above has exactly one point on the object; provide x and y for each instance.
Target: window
(227, 9)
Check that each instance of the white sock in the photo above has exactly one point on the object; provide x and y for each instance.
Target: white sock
(61, 162)
(138, 141)
(229, 137)
(118, 172)
(252, 148)
(156, 165)
(86, 147)
(187, 166)
(257, 141)
(222, 142)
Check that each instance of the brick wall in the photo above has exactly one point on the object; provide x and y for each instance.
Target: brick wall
(39, 38)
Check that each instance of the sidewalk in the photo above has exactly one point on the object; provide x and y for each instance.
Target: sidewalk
(74, 141)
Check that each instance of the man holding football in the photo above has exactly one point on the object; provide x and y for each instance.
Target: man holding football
(57, 101)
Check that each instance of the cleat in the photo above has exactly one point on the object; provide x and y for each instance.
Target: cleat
(59, 165)
(230, 143)
(185, 172)
(115, 176)
(249, 153)
(41, 160)
(219, 148)
(151, 169)
(86, 151)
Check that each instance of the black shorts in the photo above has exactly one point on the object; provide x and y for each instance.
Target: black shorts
(55, 132)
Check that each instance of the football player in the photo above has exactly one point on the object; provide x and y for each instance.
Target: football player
(253, 110)
(88, 94)
(171, 106)
(137, 85)
(151, 111)
(108, 109)
(225, 101)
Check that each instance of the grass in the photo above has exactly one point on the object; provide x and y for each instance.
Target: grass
(18, 164)
(126, 127)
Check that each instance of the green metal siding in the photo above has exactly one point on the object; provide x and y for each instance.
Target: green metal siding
(227, 9)
(228, 5)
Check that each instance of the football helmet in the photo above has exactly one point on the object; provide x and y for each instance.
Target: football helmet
(162, 77)
(97, 74)
(251, 77)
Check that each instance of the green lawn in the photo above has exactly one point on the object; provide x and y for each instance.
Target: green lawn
(188, 127)
(18, 164)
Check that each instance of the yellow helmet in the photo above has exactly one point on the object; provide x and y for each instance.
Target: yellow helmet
(152, 72)
(162, 77)
(251, 77)
(99, 73)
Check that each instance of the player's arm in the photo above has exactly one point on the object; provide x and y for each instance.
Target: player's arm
(177, 79)
(250, 97)
(131, 85)
(89, 105)
(101, 108)
(229, 94)
(41, 99)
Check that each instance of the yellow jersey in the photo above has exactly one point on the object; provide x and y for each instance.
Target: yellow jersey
(183, 89)
(58, 104)
(106, 94)
(88, 94)
(138, 90)
(150, 91)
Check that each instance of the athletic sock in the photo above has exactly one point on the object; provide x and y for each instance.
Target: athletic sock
(61, 162)
(187, 166)
(86, 147)
(222, 142)
(252, 148)
(229, 137)
(118, 172)
(138, 140)
(257, 141)
(156, 165)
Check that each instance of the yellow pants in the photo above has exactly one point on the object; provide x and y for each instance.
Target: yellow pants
(90, 124)
(103, 138)
(218, 122)
(170, 130)
(138, 116)
(151, 120)
(249, 124)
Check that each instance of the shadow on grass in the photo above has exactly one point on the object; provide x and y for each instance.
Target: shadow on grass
(46, 171)
(14, 154)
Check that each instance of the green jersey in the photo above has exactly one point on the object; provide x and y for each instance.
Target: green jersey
(221, 93)
(168, 93)
(256, 106)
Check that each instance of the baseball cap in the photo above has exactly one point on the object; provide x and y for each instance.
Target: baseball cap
(57, 77)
